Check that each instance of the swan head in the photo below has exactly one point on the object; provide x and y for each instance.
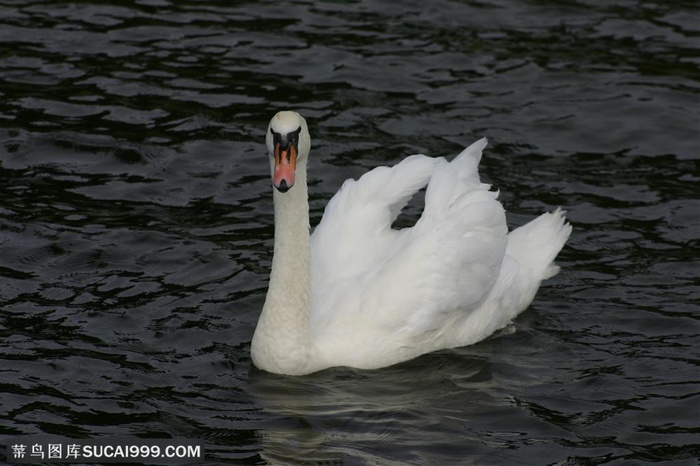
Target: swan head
(288, 143)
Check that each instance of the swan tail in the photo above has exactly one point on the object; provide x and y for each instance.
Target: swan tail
(535, 244)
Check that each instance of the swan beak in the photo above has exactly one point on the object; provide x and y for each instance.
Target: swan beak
(285, 164)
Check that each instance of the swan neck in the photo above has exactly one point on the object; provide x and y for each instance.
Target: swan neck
(282, 340)
(291, 261)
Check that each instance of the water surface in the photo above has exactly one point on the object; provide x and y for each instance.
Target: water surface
(136, 222)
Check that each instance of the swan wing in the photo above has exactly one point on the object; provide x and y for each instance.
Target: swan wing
(355, 231)
(408, 288)
(449, 261)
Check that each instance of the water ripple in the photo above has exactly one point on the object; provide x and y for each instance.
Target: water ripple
(136, 224)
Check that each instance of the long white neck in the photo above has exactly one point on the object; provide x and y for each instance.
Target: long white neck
(282, 340)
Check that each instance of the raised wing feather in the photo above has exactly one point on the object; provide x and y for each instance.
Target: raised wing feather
(412, 283)
(355, 232)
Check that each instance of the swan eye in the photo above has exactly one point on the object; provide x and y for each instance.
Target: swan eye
(284, 141)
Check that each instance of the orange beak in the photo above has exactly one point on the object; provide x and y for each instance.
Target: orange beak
(285, 164)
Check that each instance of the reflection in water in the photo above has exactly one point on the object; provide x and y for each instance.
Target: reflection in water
(318, 416)
(136, 222)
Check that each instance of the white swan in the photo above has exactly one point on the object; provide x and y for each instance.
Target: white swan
(359, 293)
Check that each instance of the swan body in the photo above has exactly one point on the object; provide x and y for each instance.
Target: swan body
(359, 293)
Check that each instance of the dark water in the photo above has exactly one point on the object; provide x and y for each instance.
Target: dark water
(136, 222)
